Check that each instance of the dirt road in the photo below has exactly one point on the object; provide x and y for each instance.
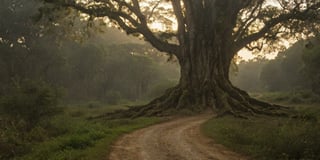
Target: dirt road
(175, 140)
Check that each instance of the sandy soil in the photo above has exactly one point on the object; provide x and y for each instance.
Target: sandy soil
(178, 139)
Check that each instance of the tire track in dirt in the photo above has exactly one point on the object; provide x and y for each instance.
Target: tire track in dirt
(178, 139)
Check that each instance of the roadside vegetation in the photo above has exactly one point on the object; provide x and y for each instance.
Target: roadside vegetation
(53, 80)
(66, 135)
(51, 85)
(272, 137)
(291, 79)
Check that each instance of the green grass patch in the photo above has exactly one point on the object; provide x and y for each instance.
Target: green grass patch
(290, 97)
(270, 138)
(70, 135)
(96, 108)
(84, 140)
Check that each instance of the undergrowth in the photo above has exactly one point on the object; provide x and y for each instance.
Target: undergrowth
(69, 135)
(270, 138)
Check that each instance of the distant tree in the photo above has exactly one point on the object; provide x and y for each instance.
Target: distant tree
(129, 71)
(208, 35)
(311, 59)
(30, 51)
(16, 21)
(248, 75)
(285, 72)
(272, 76)
(24, 51)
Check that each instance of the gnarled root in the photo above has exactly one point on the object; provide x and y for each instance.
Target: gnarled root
(222, 98)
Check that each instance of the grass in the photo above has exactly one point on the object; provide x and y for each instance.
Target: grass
(85, 140)
(290, 97)
(71, 136)
(95, 108)
(270, 138)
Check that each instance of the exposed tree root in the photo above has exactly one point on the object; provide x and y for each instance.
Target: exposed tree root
(223, 100)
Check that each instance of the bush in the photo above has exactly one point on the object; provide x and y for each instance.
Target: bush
(31, 102)
(12, 141)
(270, 138)
(37, 134)
(24, 110)
(77, 142)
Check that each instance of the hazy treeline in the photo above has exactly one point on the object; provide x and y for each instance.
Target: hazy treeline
(86, 71)
(43, 69)
(297, 68)
(106, 67)
(42, 65)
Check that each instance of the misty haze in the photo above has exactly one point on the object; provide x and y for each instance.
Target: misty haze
(159, 80)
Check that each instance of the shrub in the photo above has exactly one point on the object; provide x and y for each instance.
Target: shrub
(270, 138)
(37, 134)
(78, 142)
(12, 142)
(31, 102)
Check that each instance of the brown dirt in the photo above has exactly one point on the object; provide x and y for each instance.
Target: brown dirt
(178, 139)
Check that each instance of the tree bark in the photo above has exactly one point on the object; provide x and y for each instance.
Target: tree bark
(209, 34)
(204, 84)
(205, 51)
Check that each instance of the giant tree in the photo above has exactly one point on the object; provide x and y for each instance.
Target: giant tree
(205, 35)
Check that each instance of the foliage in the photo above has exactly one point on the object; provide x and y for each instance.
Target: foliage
(84, 140)
(108, 67)
(204, 36)
(68, 137)
(30, 102)
(270, 138)
(285, 71)
(97, 69)
(113, 73)
(290, 71)
(19, 25)
(252, 23)
(23, 110)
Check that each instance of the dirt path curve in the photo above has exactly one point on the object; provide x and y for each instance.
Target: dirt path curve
(174, 140)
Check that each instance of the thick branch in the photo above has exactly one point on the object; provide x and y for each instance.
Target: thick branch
(252, 17)
(181, 20)
(294, 15)
(157, 43)
(124, 20)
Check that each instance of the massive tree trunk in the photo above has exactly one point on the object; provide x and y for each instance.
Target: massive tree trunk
(207, 45)
(204, 84)
(209, 34)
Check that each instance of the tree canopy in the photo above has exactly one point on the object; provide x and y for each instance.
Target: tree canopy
(204, 35)
(248, 21)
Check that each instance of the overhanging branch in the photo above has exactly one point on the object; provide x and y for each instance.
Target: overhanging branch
(134, 22)
(181, 20)
(251, 18)
(294, 15)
